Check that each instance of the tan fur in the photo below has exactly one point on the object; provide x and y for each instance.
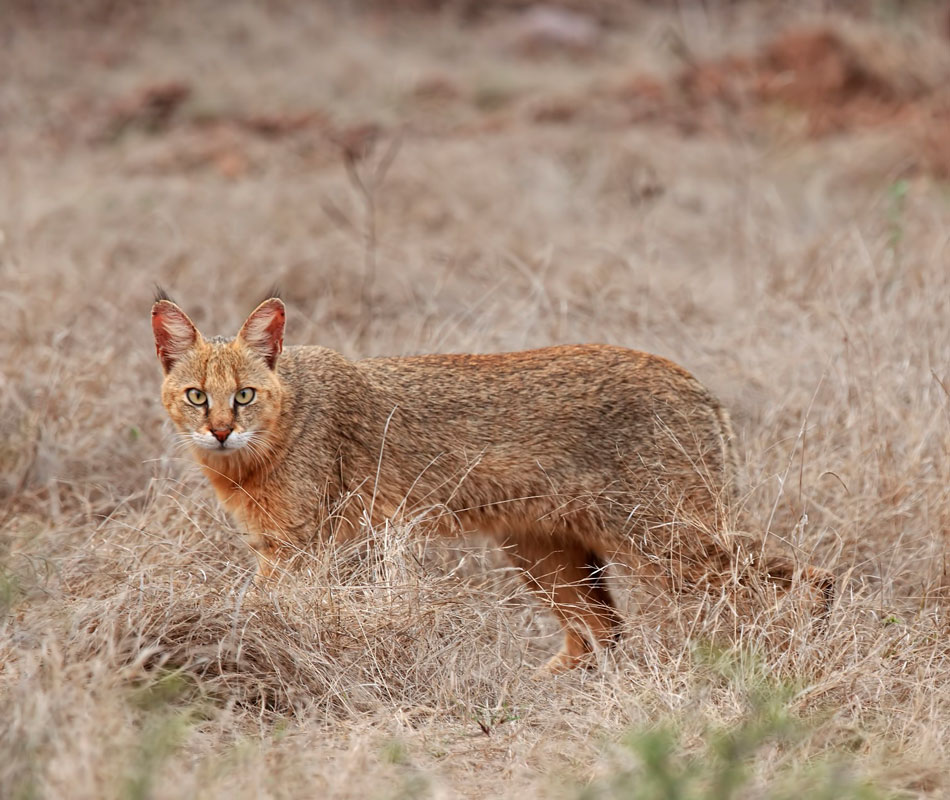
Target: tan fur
(570, 457)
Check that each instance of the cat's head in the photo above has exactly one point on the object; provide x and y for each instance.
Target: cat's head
(223, 395)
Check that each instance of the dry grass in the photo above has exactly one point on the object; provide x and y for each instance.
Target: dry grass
(804, 280)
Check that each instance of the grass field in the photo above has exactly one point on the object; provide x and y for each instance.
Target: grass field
(757, 191)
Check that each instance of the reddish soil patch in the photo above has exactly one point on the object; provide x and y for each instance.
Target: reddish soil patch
(813, 71)
(930, 143)
(274, 126)
(810, 81)
(150, 108)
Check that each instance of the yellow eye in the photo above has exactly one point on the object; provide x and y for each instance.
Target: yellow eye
(196, 397)
(244, 396)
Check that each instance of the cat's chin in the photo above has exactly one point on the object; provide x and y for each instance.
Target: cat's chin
(219, 451)
(236, 443)
(227, 450)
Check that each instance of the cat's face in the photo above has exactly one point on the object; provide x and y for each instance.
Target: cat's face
(223, 395)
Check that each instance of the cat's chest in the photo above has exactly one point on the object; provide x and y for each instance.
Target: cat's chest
(258, 503)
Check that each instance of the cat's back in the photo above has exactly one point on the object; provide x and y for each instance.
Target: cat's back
(581, 415)
(587, 395)
(589, 375)
(583, 399)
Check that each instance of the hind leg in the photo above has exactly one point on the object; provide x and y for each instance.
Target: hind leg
(570, 577)
(818, 583)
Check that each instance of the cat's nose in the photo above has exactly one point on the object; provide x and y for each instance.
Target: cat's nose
(221, 434)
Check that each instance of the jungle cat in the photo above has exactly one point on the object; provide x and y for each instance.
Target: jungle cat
(569, 457)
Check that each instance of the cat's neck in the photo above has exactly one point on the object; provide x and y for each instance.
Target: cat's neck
(238, 467)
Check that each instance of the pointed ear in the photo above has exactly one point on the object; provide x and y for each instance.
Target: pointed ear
(264, 330)
(175, 334)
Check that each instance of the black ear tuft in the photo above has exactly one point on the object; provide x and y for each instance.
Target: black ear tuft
(161, 294)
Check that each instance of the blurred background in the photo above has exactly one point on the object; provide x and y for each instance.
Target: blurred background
(757, 190)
